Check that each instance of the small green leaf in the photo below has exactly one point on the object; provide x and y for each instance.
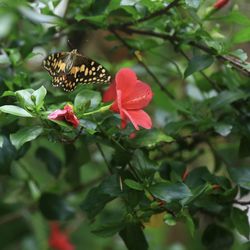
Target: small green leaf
(38, 96)
(24, 98)
(240, 221)
(24, 135)
(87, 99)
(54, 207)
(169, 219)
(150, 138)
(223, 129)
(198, 63)
(15, 110)
(133, 184)
(170, 192)
(193, 3)
(241, 54)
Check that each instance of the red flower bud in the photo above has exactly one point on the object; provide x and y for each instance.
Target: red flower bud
(220, 4)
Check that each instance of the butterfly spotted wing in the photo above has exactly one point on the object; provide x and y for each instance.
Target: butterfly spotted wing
(68, 69)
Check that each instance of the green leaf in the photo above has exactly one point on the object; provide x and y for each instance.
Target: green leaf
(241, 176)
(7, 155)
(145, 167)
(24, 98)
(87, 99)
(99, 196)
(235, 17)
(198, 63)
(244, 146)
(24, 135)
(133, 184)
(242, 36)
(52, 162)
(150, 138)
(170, 192)
(38, 96)
(223, 129)
(109, 228)
(169, 219)
(15, 110)
(54, 207)
(217, 237)
(193, 3)
(132, 232)
(241, 54)
(240, 221)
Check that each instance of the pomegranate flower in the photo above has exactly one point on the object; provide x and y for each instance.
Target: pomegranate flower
(130, 96)
(66, 114)
(220, 3)
(58, 240)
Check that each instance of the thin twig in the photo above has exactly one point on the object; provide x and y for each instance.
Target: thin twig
(154, 14)
(234, 62)
(143, 64)
(104, 157)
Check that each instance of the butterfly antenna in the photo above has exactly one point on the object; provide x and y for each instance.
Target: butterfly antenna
(70, 45)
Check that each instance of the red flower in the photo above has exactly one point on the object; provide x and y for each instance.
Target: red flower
(220, 3)
(58, 240)
(130, 96)
(66, 114)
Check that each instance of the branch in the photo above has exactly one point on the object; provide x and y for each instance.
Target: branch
(243, 203)
(162, 87)
(154, 14)
(234, 62)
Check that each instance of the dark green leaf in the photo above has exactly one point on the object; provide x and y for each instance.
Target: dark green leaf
(132, 232)
(15, 110)
(241, 176)
(24, 135)
(109, 229)
(240, 221)
(54, 207)
(217, 237)
(133, 184)
(7, 155)
(170, 192)
(145, 167)
(198, 63)
(53, 163)
(99, 196)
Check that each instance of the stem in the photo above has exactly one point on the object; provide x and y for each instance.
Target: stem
(100, 110)
(104, 158)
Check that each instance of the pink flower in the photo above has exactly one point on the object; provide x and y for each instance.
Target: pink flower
(220, 3)
(130, 96)
(58, 240)
(66, 114)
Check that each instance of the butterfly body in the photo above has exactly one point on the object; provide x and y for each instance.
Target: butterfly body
(69, 69)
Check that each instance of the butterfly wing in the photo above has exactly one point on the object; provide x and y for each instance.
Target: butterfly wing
(55, 63)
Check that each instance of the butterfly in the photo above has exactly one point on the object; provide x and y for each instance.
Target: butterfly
(69, 69)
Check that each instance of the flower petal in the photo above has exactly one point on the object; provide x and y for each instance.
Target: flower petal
(57, 114)
(139, 118)
(125, 81)
(139, 98)
(110, 94)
